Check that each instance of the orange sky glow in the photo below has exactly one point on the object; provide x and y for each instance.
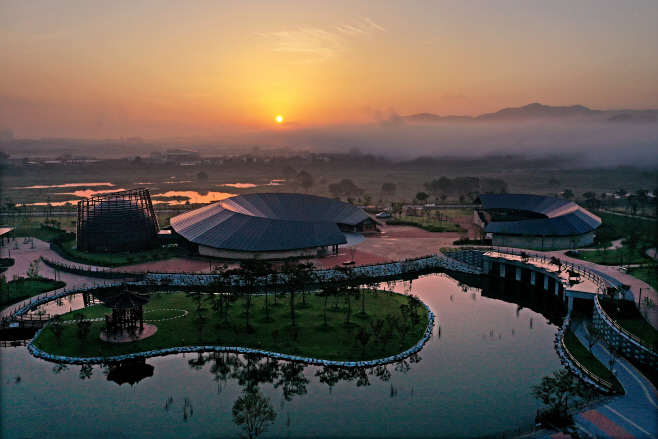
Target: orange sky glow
(150, 68)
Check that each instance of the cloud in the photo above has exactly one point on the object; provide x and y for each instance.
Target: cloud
(587, 144)
(361, 27)
(317, 45)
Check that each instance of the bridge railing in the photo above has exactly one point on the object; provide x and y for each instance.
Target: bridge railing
(598, 380)
(646, 345)
(589, 274)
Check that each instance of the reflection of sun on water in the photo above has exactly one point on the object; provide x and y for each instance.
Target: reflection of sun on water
(279, 119)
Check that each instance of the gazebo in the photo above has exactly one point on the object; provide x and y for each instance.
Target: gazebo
(126, 311)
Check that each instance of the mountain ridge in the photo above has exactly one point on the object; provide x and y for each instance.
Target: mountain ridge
(537, 111)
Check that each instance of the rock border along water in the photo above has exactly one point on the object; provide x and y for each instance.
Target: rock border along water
(35, 351)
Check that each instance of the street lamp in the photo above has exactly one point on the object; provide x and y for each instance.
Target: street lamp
(640, 299)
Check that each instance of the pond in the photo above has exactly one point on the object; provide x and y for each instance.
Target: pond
(473, 377)
(65, 185)
(180, 197)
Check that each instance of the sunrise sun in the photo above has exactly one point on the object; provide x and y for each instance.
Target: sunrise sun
(279, 119)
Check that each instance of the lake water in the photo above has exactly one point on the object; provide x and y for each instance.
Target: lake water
(191, 196)
(65, 185)
(473, 377)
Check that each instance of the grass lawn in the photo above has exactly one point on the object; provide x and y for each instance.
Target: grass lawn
(646, 274)
(433, 225)
(35, 230)
(589, 361)
(614, 257)
(631, 320)
(16, 291)
(119, 259)
(337, 340)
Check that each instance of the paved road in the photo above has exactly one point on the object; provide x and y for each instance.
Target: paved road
(25, 254)
(632, 415)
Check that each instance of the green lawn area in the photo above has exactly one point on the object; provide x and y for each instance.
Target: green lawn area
(337, 340)
(631, 320)
(614, 227)
(431, 225)
(646, 274)
(589, 361)
(119, 259)
(35, 230)
(16, 291)
(614, 257)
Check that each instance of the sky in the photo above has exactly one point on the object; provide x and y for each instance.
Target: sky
(164, 68)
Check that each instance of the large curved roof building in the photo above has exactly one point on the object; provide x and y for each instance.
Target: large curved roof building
(273, 225)
(535, 221)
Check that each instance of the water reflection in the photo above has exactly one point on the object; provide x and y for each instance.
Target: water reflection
(130, 371)
(90, 192)
(253, 413)
(477, 384)
(65, 185)
(181, 197)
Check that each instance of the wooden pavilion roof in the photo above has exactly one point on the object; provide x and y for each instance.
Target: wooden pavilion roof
(126, 300)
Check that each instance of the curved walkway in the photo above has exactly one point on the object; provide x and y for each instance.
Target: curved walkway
(632, 415)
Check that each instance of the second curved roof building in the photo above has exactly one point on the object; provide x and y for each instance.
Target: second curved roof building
(535, 221)
(273, 225)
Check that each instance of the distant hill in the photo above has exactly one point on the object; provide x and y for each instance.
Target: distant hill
(546, 112)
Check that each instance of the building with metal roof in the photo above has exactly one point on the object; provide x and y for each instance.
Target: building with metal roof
(273, 225)
(535, 221)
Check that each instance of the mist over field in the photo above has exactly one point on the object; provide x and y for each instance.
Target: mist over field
(586, 143)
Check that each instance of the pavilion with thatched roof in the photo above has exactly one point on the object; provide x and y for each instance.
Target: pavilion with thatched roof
(127, 311)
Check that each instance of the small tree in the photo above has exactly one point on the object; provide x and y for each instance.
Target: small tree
(306, 180)
(327, 290)
(555, 390)
(352, 251)
(422, 197)
(592, 335)
(397, 208)
(202, 176)
(82, 329)
(56, 328)
(363, 336)
(33, 270)
(197, 298)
